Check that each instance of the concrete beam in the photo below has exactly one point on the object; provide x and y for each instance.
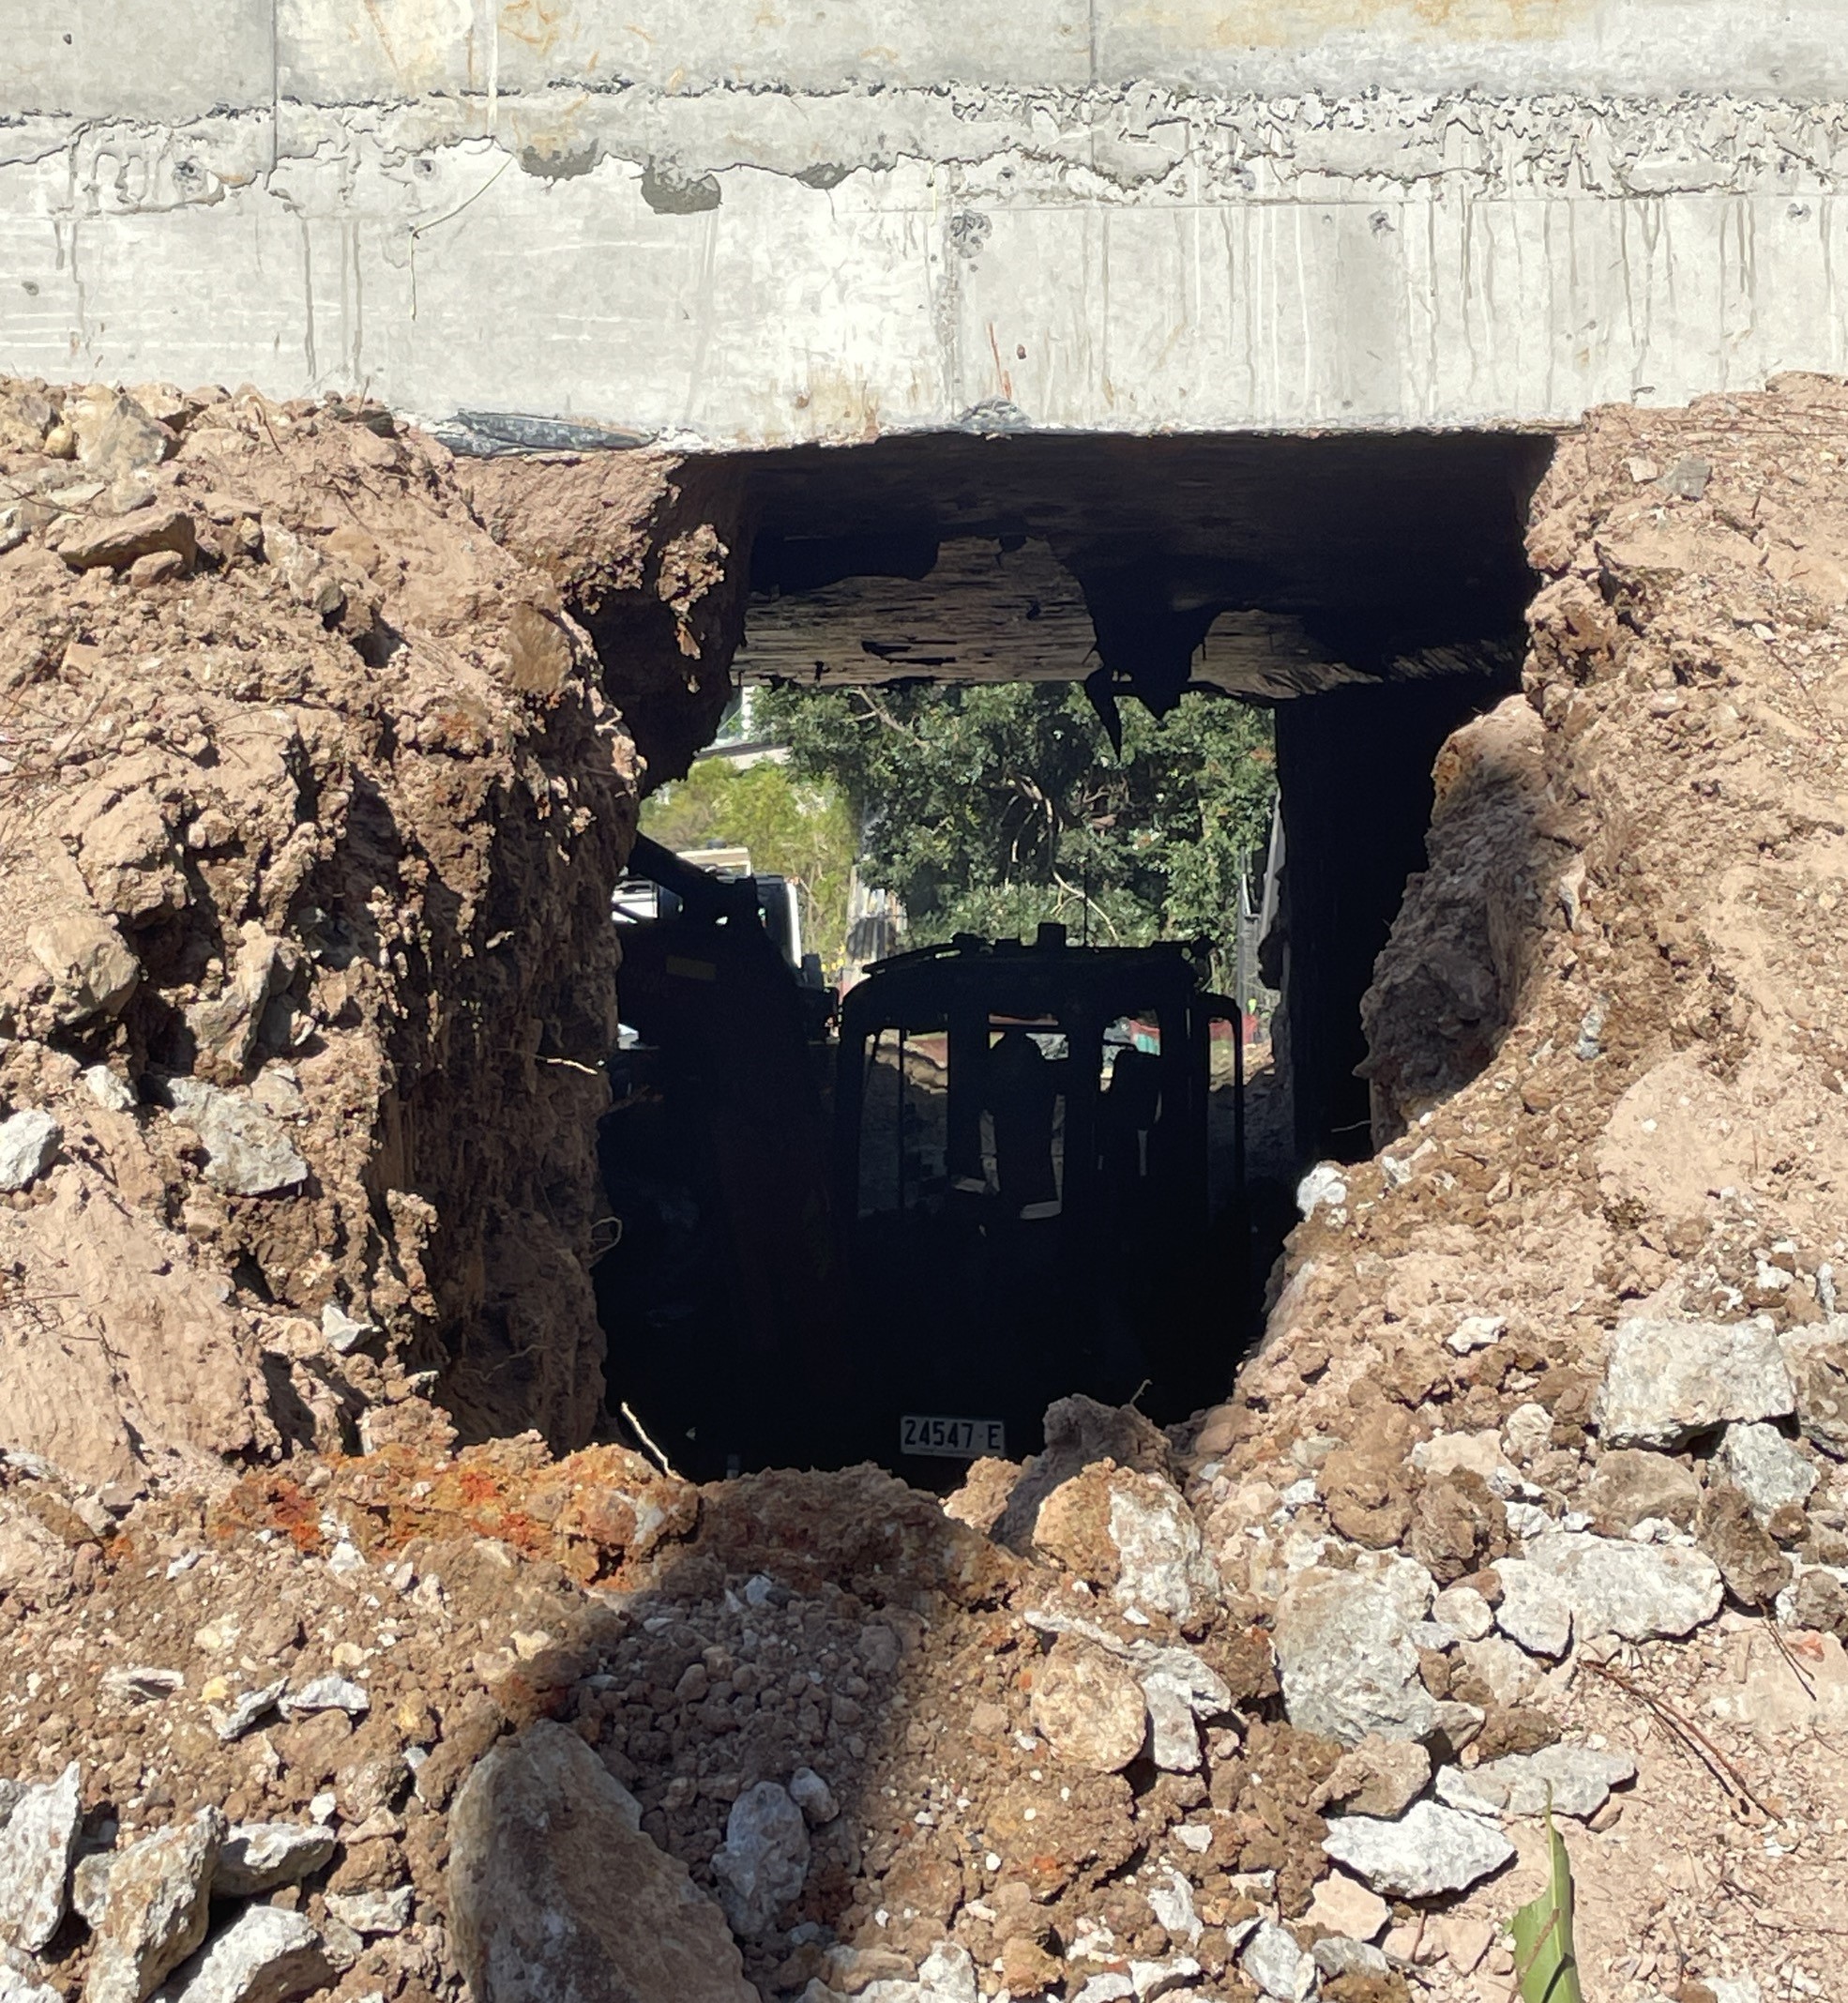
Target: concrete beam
(723, 228)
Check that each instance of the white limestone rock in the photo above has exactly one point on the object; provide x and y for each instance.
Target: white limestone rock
(1277, 1966)
(112, 1093)
(265, 1956)
(1173, 1733)
(247, 1152)
(257, 1857)
(1637, 1591)
(1580, 1779)
(1535, 1609)
(1476, 1331)
(370, 1913)
(1464, 1612)
(1345, 1655)
(37, 1847)
(1667, 1380)
(329, 1694)
(947, 1976)
(761, 1864)
(29, 1143)
(1337, 1954)
(22, 1984)
(1765, 1467)
(1427, 1851)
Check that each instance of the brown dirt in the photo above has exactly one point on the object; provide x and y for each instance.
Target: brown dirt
(1610, 1048)
(351, 785)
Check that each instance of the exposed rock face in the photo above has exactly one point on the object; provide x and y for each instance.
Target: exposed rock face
(1450, 982)
(326, 870)
(554, 1893)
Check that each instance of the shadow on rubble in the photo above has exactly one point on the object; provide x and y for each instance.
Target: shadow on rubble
(837, 1704)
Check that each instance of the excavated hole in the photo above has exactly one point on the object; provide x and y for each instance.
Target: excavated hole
(1370, 590)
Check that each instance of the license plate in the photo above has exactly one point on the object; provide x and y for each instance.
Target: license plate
(953, 1439)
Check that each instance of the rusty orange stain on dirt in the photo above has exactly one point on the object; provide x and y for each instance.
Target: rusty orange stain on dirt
(581, 1513)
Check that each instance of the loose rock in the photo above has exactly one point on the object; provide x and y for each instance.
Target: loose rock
(368, 1913)
(1133, 1533)
(1765, 1467)
(1578, 1778)
(247, 1152)
(260, 1856)
(1634, 1590)
(1631, 1485)
(93, 971)
(1088, 1706)
(1277, 1964)
(1345, 1655)
(1666, 1380)
(947, 1976)
(1338, 1956)
(1535, 1610)
(1464, 1612)
(157, 1909)
(29, 1143)
(329, 1694)
(1343, 1905)
(36, 1845)
(115, 544)
(812, 1795)
(1754, 1570)
(761, 1864)
(1818, 1363)
(553, 1893)
(265, 1956)
(1427, 1851)
(1378, 1777)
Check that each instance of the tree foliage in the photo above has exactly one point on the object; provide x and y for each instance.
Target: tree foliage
(794, 827)
(990, 808)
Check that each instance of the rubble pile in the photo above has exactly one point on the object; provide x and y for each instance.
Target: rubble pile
(1535, 1498)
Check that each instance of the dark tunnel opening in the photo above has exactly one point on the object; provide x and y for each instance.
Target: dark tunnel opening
(834, 1244)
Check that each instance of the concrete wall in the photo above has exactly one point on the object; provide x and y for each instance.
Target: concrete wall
(751, 222)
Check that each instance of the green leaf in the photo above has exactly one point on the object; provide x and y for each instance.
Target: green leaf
(1545, 1966)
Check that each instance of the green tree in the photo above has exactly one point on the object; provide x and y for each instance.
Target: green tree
(990, 808)
(794, 827)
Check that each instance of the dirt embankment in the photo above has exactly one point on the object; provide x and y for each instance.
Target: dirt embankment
(312, 793)
(1539, 1483)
